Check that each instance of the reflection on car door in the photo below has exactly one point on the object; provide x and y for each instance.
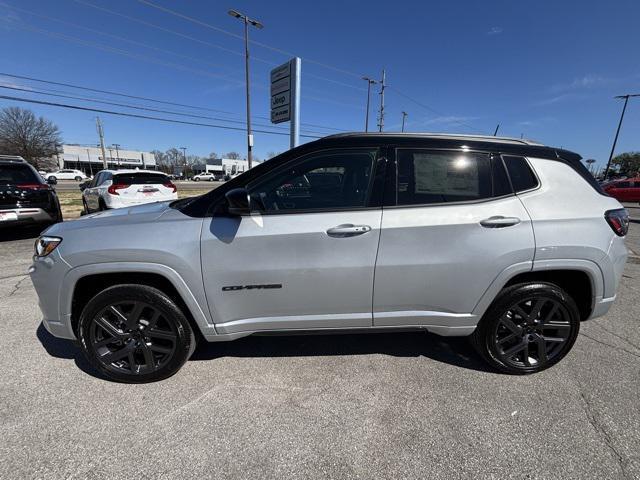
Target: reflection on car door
(452, 228)
(305, 257)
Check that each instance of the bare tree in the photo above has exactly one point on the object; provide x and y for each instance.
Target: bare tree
(24, 134)
(213, 155)
(272, 154)
(232, 155)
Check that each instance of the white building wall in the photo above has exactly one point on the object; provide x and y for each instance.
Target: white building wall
(128, 158)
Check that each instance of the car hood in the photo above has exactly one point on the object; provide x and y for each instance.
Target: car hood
(138, 214)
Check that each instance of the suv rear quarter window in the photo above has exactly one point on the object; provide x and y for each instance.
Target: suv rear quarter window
(522, 177)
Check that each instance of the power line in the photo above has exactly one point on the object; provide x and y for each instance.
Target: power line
(93, 30)
(125, 105)
(118, 51)
(145, 117)
(147, 99)
(254, 42)
(432, 110)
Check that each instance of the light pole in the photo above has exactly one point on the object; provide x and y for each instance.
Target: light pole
(615, 140)
(247, 21)
(184, 159)
(370, 82)
(404, 115)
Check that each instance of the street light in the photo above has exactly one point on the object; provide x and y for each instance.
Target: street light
(370, 82)
(247, 21)
(615, 140)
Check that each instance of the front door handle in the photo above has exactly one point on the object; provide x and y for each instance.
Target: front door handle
(499, 222)
(348, 230)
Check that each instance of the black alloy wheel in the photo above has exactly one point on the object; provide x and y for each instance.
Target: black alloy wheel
(132, 337)
(529, 328)
(135, 333)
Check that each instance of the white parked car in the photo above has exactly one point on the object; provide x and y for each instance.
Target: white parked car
(125, 188)
(207, 176)
(77, 175)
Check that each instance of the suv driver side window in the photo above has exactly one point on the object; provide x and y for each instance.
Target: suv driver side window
(335, 179)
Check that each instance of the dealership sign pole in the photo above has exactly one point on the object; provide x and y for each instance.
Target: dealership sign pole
(285, 97)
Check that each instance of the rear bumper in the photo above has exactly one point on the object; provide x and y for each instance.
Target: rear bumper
(113, 201)
(25, 216)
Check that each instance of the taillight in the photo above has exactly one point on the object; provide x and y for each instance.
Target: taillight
(618, 220)
(33, 186)
(170, 185)
(113, 189)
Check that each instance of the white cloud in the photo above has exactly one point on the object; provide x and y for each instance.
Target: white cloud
(448, 120)
(587, 81)
(495, 31)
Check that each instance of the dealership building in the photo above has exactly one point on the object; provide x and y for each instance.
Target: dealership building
(89, 159)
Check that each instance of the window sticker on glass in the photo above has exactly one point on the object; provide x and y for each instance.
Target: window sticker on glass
(437, 174)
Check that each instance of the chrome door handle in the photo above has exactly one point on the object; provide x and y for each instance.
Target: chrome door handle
(348, 230)
(499, 222)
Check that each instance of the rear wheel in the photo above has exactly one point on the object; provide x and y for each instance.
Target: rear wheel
(78, 179)
(528, 328)
(135, 334)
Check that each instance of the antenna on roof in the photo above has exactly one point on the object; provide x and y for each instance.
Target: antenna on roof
(496, 132)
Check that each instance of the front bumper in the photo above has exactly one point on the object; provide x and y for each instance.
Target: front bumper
(22, 216)
(47, 275)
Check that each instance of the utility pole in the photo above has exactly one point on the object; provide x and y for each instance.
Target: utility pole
(184, 154)
(404, 115)
(117, 145)
(382, 87)
(369, 83)
(615, 140)
(496, 131)
(247, 21)
(101, 135)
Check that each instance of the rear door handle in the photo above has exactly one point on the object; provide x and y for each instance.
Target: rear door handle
(499, 222)
(348, 230)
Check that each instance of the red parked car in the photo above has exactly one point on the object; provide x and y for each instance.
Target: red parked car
(627, 190)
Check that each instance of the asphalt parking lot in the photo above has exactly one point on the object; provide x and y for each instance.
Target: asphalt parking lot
(402, 405)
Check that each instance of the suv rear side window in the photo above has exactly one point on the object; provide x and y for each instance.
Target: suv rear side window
(17, 174)
(140, 178)
(522, 177)
(426, 177)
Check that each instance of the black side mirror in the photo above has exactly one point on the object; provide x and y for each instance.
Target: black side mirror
(238, 201)
(52, 181)
(83, 186)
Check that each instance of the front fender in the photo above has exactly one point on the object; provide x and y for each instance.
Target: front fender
(199, 314)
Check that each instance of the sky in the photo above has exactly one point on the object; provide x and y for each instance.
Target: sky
(545, 69)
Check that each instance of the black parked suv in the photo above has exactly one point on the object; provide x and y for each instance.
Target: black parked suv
(25, 198)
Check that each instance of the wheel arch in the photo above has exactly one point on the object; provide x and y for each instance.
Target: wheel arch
(582, 279)
(85, 282)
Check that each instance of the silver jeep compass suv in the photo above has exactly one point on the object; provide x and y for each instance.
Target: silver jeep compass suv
(509, 242)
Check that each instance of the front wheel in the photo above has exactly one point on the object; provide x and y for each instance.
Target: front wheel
(78, 179)
(135, 334)
(528, 328)
(196, 179)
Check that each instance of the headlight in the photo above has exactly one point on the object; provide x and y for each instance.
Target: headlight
(45, 245)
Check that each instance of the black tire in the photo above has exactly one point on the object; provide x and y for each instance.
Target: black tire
(53, 179)
(101, 205)
(211, 179)
(85, 208)
(78, 179)
(196, 179)
(528, 328)
(145, 339)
